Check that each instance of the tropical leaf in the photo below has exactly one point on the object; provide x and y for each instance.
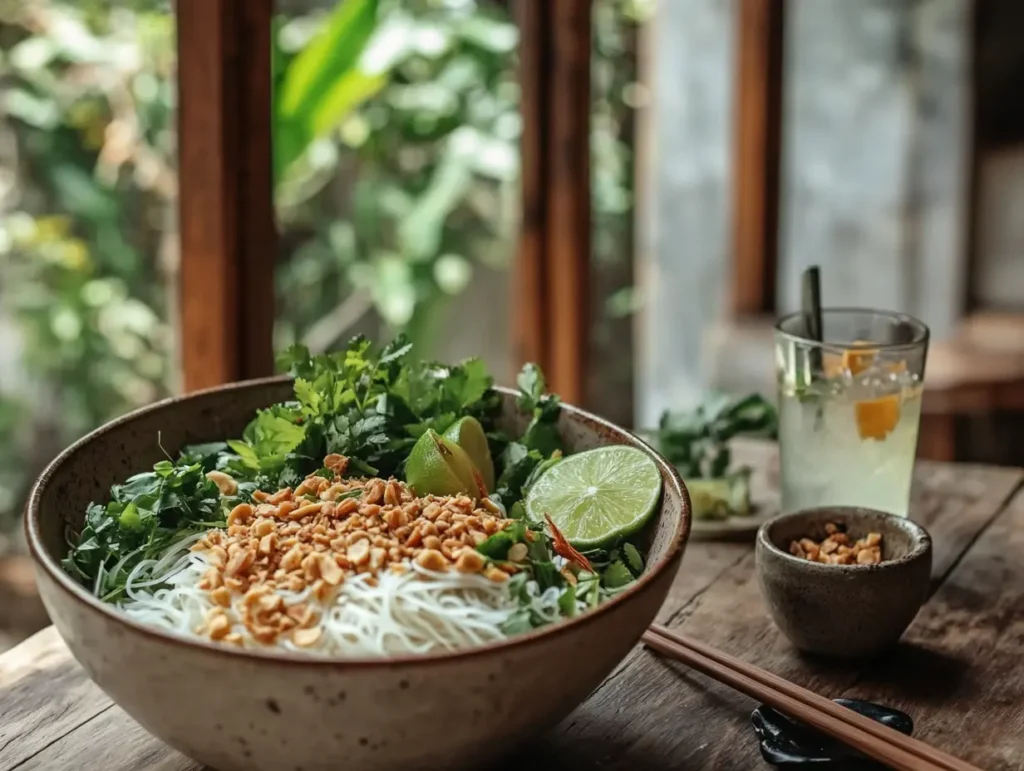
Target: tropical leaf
(325, 82)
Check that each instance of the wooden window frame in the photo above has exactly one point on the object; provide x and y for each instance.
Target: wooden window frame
(553, 282)
(228, 235)
(757, 152)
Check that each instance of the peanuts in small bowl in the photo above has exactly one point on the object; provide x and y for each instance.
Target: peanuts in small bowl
(837, 549)
(846, 610)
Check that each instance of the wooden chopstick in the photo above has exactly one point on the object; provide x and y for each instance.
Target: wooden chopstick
(853, 729)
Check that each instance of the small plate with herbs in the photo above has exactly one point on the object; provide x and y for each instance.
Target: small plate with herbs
(697, 443)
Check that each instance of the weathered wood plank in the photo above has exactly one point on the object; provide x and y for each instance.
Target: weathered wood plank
(958, 669)
(645, 716)
(44, 695)
(111, 741)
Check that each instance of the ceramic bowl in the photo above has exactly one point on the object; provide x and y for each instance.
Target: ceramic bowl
(844, 610)
(246, 711)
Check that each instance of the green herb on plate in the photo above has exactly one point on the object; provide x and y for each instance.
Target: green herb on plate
(696, 442)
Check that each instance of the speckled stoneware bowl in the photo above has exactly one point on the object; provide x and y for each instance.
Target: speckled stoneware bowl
(844, 610)
(243, 711)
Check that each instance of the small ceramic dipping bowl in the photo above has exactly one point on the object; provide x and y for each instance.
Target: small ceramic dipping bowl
(848, 611)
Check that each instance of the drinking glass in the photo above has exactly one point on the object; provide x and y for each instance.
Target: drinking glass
(849, 408)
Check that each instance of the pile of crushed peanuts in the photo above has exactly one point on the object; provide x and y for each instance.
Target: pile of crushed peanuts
(837, 548)
(324, 530)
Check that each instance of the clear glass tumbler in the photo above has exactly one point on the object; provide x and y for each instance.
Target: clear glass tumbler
(849, 408)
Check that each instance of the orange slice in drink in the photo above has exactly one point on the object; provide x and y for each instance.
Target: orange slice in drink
(859, 359)
(852, 360)
(876, 418)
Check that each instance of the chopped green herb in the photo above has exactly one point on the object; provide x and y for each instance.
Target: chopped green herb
(634, 561)
(696, 442)
(144, 515)
(496, 546)
(616, 575)
(567, 601)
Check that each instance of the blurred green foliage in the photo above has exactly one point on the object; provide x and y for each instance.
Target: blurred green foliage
(413, 177)
(396, 160)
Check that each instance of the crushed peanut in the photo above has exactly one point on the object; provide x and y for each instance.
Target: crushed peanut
(324, 530)
(836, 548)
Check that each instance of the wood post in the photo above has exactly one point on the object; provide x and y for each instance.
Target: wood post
(228, 238)
(756, 154)
(553, 271)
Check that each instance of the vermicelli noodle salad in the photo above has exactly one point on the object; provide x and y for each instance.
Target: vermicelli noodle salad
(381, 512)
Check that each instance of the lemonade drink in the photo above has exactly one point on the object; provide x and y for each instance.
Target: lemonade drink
(849, 410)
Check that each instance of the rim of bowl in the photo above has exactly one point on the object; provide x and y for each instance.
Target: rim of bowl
(922, 540)
(77, 592)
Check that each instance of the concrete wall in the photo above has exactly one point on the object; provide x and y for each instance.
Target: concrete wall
(683, 173)
(875, 153)
(874, 184)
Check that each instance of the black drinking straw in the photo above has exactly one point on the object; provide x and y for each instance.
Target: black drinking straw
(810, 304)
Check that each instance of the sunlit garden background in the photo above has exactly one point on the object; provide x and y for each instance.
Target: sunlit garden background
(397, 166)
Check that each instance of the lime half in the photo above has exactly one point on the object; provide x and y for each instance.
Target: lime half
(438, 466)
(468, 434)
(598, 497)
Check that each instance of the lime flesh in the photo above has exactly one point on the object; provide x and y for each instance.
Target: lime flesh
(598, 497)
(469, 435)
(438, 466)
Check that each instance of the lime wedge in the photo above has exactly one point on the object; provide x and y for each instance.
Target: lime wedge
(438, 466)
(598, 497)
(468, 434)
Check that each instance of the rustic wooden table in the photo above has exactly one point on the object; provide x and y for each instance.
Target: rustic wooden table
(957, 671)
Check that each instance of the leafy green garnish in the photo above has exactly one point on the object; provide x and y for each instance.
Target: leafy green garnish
(541, 434)
(143, 517)
(567, 601)
(633, 560)
(207, 455)
(371, 407)
(540, 446)
(696, 442)
(267, 440)
(616, 575)
(518, 463)
(496, 546)
(588, 588)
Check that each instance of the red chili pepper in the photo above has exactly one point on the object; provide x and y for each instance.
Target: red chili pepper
(565, 549)
(480, 486)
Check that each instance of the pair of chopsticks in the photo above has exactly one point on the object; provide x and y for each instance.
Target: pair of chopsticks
(851, 728)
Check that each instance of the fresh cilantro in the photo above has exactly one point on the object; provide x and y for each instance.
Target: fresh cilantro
(541, 434)
(517, 463)
(371, 407)
(616, 575)
(207, 455)
(143, 517)
(633, 560)
(696, 442)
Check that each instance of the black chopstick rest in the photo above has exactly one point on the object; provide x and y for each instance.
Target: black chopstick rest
(786, 742)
